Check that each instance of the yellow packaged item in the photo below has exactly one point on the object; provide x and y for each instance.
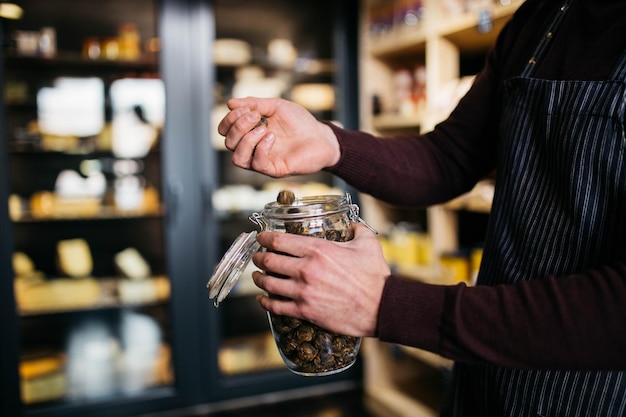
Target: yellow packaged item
(456, 268)
(42, 379)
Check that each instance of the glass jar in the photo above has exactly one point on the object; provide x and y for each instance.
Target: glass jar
(306, 348)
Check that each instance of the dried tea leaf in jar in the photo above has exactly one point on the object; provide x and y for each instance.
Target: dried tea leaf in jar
(286, 197)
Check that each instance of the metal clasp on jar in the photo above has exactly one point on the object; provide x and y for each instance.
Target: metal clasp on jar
(257, 218)
(354, 214)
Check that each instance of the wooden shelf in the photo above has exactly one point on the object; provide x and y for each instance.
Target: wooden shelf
(430, 274)
(404, 381)
(391, 121)
(429, 358)
(74, 60)
(104, 213)
(463, 30)
(396, 402)
(478, 200)
(400, 384)
(249, 354)
(399, 42)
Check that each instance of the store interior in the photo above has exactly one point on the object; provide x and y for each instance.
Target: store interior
(122, 198)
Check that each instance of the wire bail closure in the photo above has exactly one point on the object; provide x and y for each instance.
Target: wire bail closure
(354, 214)
(257, 218)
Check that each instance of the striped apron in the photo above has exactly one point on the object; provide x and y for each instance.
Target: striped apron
(559, 208)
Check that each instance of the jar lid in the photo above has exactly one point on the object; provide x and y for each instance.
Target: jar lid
(311, 206)
(228, 271)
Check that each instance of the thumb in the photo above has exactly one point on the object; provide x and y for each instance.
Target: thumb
(362, 229)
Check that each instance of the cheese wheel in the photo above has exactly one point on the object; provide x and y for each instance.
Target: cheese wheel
(74, 258)
(42, 204)
(22, 264)
(16, 207)
(131, 264)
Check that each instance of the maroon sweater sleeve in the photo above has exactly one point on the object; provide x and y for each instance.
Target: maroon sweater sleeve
(567, 322)
(570, 322)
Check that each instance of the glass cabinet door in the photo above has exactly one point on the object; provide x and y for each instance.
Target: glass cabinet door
(85, 110)
(267, 48)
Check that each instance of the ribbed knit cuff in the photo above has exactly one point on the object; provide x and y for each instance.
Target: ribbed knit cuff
(410, 313)
(355, 159)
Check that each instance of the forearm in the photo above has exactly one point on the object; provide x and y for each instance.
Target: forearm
(389, 169)
(568, 322)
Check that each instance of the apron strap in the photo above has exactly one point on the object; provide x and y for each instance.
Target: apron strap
(619, 72)
(544, 44)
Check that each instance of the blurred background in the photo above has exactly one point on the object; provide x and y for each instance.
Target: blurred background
(122, 198)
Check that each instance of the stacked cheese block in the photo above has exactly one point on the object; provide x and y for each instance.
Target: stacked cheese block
(76, 289)
(137, 288)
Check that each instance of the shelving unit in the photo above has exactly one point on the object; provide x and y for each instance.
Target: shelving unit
(182, 234)
(438, 42)
(51, 303)
(55, 320)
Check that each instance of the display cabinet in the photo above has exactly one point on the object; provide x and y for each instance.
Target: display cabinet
(98, 315)
(115, 181)
(89, 270)
(418, 58)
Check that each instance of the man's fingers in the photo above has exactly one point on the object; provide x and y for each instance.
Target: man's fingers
(265, 106)
(277, 306)
(230, 119)
(295, 245)
(283, 287)
(245, 149)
